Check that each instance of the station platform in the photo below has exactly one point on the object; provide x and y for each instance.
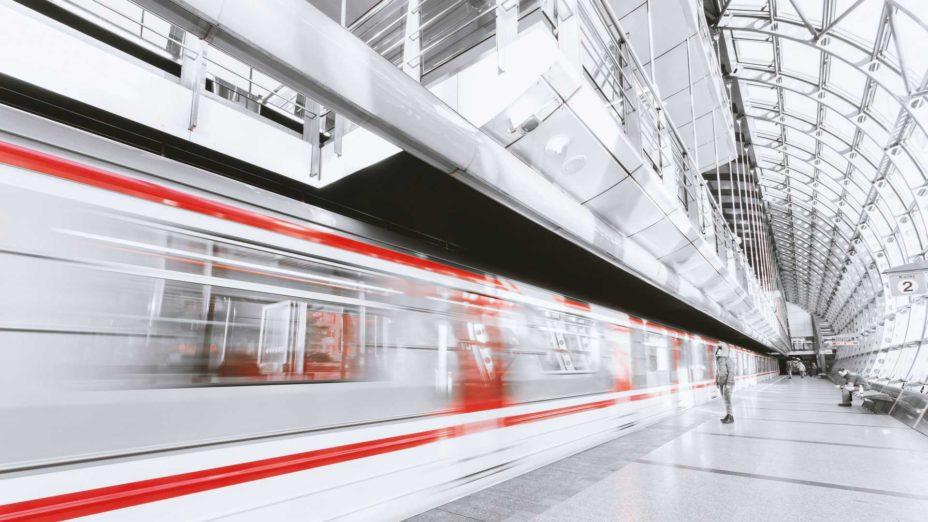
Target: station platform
(792, 454)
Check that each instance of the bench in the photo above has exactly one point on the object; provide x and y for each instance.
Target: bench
(876, 402)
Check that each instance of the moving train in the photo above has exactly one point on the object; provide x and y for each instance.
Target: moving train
(177, 344)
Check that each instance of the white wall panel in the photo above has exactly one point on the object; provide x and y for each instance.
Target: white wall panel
(46, 54)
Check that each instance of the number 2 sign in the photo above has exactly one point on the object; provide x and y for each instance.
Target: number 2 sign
(906, 284)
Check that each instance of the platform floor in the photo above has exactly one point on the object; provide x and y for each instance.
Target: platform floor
(792, 454)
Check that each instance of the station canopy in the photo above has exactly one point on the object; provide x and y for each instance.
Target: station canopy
(834, 98)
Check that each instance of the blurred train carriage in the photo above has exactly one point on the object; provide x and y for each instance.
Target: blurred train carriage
(148, 314)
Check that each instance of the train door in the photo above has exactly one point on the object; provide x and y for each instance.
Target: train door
(709, 354)
(282, 337)
(677, 368)
(619, 337)
(326, 357)
(683, 361)
(480, 355)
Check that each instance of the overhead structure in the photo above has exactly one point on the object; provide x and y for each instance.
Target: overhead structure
(832, 93)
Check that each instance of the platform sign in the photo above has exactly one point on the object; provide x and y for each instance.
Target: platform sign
(904, 284)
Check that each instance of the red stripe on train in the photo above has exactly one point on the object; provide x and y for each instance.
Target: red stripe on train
(514, 420)
(109, 498)
(65, 169)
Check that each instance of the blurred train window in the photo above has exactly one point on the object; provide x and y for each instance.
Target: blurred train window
(658, 358)
(232, 334)
(282, 337)
(710, 361)
(639, 354)
(293, 341)
(699, 366)
(687, 346)
(572, 347)
(651, 356)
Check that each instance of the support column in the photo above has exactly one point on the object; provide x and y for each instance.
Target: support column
(412, 61)
(193, 74)
(568, 30)
(311, 129)
(507, 29)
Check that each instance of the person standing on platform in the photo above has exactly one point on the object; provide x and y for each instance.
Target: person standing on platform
(725, 379)
(802, 370)
(789, 368)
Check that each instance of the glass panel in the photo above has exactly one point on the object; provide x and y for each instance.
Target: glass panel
(800, 59)
(754, 51)
(847, 80)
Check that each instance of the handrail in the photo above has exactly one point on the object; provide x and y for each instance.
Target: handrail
(690, 170)
(70, 4)
(658, 101)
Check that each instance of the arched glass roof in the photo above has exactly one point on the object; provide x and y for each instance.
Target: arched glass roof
(834, 97)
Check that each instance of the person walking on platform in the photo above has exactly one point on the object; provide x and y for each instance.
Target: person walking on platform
(789, 368)
(725, 379)
(802, 370)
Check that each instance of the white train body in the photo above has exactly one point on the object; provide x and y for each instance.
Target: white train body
(170, 350)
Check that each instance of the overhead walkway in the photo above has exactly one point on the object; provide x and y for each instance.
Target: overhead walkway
(792, 454)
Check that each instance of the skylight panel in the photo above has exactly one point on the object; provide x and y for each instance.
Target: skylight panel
(847, 80)
(908, 172)
(900, 189)
(802, 106)
(862, 23)
(751, 5)
(837, 161)
(811, 9)
(872, 128)
(912, 37)
(800, 59)
(755, 52)
(832, 142)
(885, 107)
(766, 128)
(761, 95)
(870, 150)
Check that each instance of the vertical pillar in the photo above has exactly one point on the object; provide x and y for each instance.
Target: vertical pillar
(651, 42)
(412, 60)
(340, 122)
(441, 372)
(718, 176)
(311, 130)
(568, 30)
(736, 181)
(689, 77)
(193, 74)
(507, 29)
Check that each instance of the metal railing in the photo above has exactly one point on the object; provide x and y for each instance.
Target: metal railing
(232, 80)
(639, 109)
(444, 30)
(132, 22)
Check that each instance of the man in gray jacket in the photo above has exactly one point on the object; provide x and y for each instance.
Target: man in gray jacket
(725, 378)
(852, 383)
